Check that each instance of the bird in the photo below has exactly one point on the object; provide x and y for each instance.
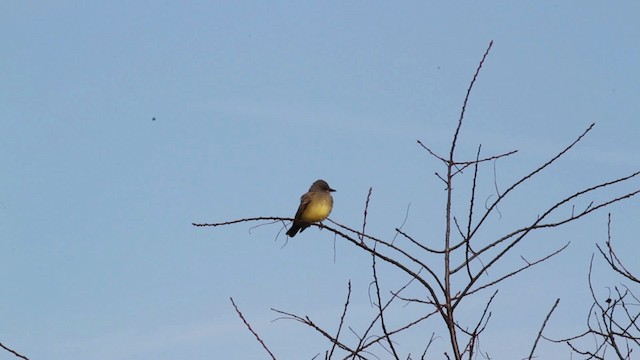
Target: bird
(315, 206)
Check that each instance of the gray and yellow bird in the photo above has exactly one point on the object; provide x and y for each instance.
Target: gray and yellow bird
(315, 206)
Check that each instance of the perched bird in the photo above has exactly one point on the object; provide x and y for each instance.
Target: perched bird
(315, 206)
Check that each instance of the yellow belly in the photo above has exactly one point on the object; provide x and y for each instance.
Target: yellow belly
(317, 210)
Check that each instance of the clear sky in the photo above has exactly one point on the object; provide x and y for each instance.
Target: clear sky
(253, 101)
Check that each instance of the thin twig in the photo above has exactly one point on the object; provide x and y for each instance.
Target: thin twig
(366, 210)
(307, 321)
(388, 259)
(344, 313)
(527, 177)
(533, 349)
(466, 99)
(404, 221)
(17, 354)
(467, 292)
(612, 258)
(418, 244)
(396, 295)
(250, 329)
(383, 325)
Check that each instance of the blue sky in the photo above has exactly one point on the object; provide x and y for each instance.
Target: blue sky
(253, 101)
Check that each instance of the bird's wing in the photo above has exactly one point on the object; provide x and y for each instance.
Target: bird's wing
(304, 202)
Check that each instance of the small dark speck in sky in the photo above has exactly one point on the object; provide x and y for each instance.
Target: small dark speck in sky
(154, 119)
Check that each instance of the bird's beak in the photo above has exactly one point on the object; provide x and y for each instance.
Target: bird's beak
(331, 190)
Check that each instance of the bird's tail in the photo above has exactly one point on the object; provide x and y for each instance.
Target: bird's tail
(293, 230)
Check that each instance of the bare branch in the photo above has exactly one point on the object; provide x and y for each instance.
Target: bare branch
(500, 279)
(474, 335)
(527, 177)
(544, 324)
(364, 218)
(250, 329)
(606, 327)
(395, 295)
(447, 312)
(388, 259)
(467, 238)
(344, 313)
(307, 321)
(404, 221)
(433, 154)
(466, 99)
(536, 224)
(612, 257)
(245, 220)
(477, 161)
(417, 243)
(13, 352)
(380, 309)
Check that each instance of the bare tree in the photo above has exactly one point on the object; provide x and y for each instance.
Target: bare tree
(466, 256)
